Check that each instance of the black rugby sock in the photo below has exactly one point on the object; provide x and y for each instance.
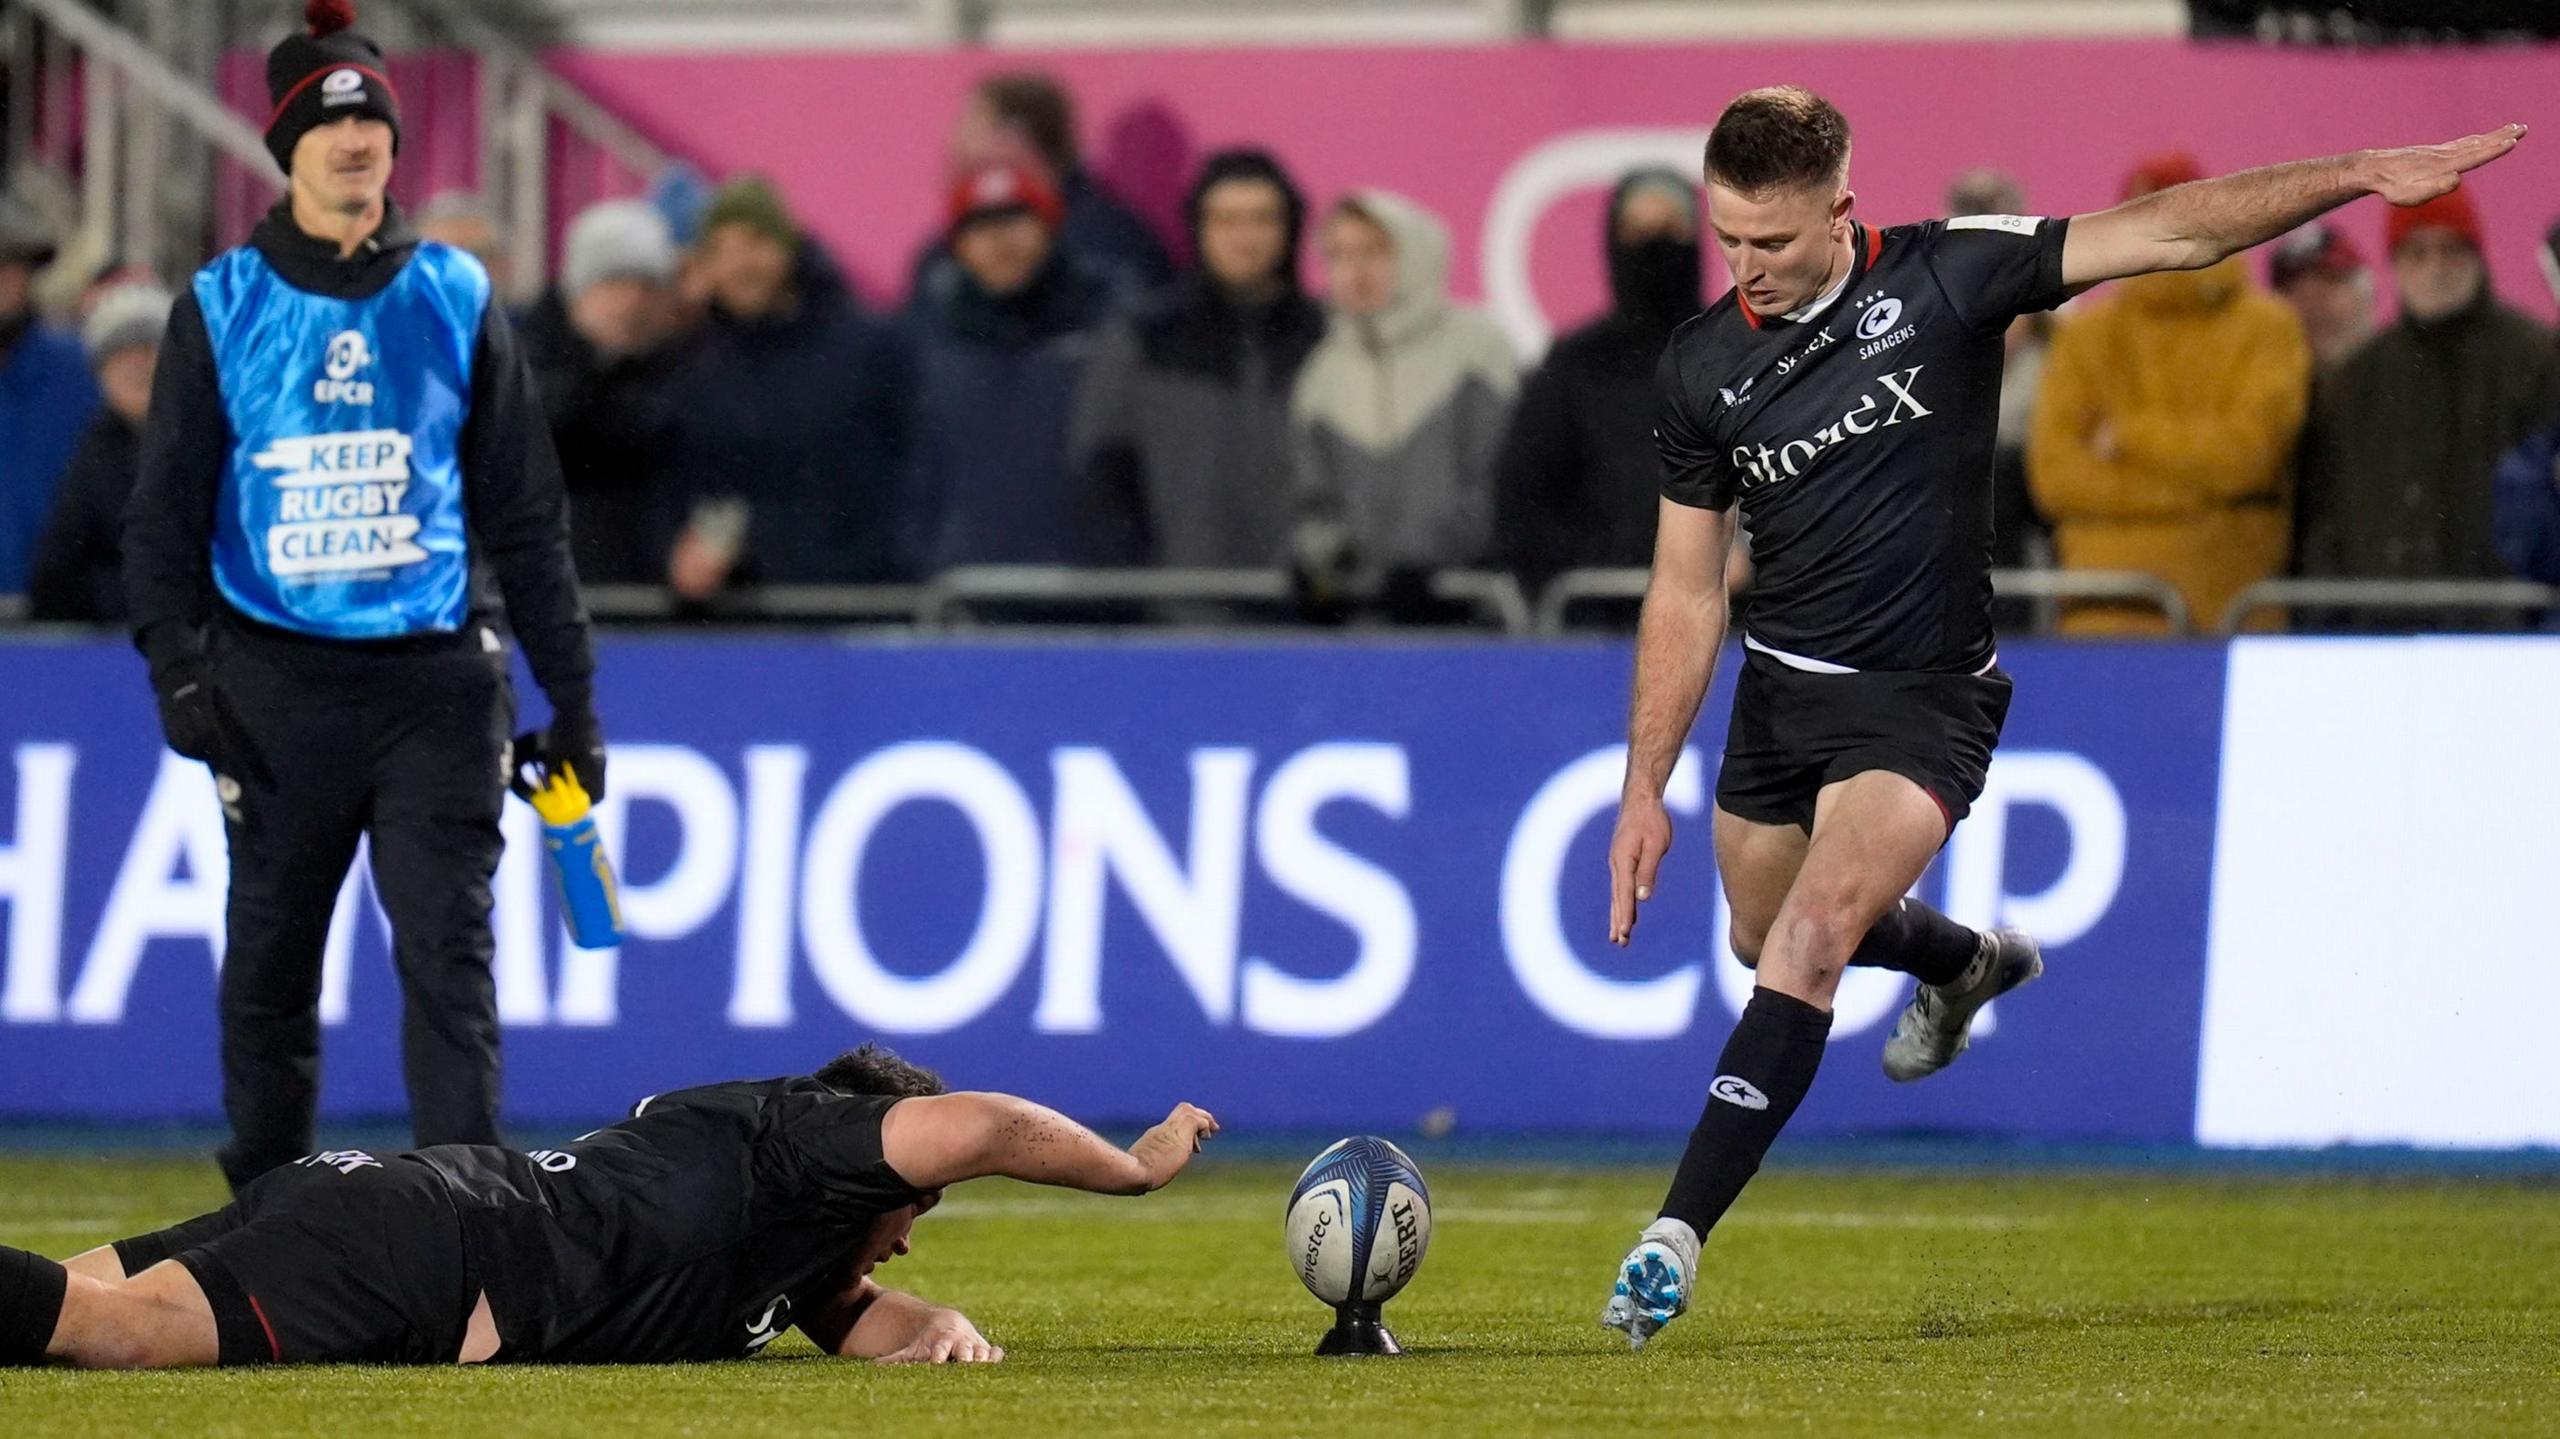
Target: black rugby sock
(1761, 1077)
(31, 1291)
(1920, 942)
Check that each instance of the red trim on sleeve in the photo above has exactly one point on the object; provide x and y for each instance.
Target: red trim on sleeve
(305, 83)
(273, 1347)
(1944, 813)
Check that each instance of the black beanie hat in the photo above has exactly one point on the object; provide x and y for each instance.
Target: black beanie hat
(323, 75)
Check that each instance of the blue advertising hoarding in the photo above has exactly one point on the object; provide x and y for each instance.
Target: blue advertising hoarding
(1306, 885)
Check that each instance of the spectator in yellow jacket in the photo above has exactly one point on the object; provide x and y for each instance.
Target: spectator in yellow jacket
(2165, 434)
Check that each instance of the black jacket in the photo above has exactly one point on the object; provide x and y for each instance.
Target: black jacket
(75, 576)
(511, 480)
(806, 416)
(1578, 481)
(615, 423)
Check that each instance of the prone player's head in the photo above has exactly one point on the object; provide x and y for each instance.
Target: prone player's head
(1778, 197)
(892, 1234)
(874, 1070)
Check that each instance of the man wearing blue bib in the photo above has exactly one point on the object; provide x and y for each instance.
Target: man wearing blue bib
(344, 477)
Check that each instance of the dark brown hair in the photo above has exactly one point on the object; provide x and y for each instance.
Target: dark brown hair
(873, 1070)
(1778, 138)
(1033, 104)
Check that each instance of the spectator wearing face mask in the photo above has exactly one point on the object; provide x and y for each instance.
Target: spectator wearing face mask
(2396, 475)
(1578, 478)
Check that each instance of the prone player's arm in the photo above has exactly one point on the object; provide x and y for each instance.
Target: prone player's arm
(895, 1327)
(2191, 226)
(948, 1138)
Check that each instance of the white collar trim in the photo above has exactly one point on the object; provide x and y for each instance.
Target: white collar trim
(1817, 305)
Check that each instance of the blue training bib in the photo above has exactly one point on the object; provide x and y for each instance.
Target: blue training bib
(341, 513)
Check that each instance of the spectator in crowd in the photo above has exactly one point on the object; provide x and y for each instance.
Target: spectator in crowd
(2317, 271)
(465, 221)
(1001, 356)
(1398, 416)
(792, 413)
(2397, 468)
(2020, 538)
(1181, 435)
(2164, 438)
(604, 350)
(2527, 489)
(77, 575)
(1577, 481)
(1026, 118)
(46, 393)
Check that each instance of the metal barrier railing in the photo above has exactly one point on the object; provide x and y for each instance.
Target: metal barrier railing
(816, 604)
(952, 598)
(2442, 596)
(135, 200)
(1496, 599)
(1580, 587)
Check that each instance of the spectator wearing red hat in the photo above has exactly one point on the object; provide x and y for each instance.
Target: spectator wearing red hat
(2164, 436)
(2404, 437)
(2320, 273)
(1027, 118)
(1001, 354)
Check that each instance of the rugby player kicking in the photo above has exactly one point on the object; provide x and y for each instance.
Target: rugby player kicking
(1845, 392)
(699, 1228)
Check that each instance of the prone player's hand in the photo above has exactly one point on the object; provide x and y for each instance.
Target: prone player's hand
(947, 1338)
(1635, 858)
(1166, 1149)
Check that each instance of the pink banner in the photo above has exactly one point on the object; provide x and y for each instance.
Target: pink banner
(1513, 144)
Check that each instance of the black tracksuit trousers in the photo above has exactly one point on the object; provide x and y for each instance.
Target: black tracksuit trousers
(404, 744)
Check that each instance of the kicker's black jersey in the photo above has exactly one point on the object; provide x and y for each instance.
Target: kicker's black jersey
(1859, 441)
(696, 1229)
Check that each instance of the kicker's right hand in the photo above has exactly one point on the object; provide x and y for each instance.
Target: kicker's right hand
(1635, 858)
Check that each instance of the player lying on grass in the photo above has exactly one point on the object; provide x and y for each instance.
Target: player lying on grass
(698, 1228)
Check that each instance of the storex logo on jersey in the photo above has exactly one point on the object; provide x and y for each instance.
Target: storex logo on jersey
(1776, 464)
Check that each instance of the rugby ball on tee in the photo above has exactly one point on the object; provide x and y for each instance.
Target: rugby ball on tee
(1359, 1222)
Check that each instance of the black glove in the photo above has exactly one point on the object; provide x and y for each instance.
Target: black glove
(575, 741)
(187, 716)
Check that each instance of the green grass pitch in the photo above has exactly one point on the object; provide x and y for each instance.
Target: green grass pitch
(1856, 1303)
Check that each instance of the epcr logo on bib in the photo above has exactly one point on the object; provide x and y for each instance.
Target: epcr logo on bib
(348, 353)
